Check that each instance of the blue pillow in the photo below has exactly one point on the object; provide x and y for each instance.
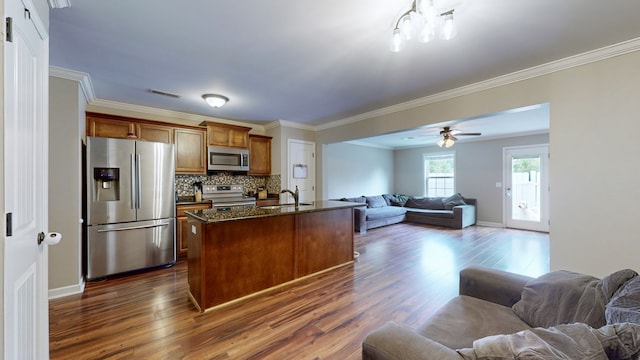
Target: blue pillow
(376, 201)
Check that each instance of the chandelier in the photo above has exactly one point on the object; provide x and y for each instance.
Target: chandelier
(424, 20)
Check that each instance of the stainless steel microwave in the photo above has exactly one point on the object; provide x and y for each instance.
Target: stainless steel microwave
(227, 159)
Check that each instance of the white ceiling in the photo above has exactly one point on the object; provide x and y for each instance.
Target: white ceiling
(312, 62)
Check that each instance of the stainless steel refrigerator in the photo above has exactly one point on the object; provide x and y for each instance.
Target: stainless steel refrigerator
(130, 206)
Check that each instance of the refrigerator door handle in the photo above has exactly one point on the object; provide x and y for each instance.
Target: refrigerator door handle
(139, 178)
(134, 227)
(133, 182)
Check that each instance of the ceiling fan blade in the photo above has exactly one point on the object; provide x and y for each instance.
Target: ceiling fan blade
(469, 134)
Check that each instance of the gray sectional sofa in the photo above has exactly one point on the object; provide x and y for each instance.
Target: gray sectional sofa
(501, 315)
(455, 211)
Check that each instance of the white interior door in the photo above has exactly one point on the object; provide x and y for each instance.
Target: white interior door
(26, 320)
(527, 187)
(301, 167)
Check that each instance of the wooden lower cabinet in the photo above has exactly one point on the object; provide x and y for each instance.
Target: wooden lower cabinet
(229, 260)
(267, 202)
(182, 227)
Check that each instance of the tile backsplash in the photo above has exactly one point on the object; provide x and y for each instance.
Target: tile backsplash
(184, 183)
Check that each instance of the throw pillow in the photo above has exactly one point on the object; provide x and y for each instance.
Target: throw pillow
(425, 203)
(402, 199)
(376, 201)
(453, 200)
(563, 297)
(568, 341)
(624, 306)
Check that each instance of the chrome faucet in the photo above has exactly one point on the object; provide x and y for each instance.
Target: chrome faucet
(296, 195)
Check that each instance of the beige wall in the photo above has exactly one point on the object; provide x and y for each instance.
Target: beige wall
(66, 129)
(281, 134)
(479, 166)
(354, 170)
(587, 173)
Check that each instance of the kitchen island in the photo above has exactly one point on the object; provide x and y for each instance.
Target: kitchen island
(239, 251)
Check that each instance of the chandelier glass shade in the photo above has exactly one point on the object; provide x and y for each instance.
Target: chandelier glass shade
(447, 141)
(424, 20)
(215, 100)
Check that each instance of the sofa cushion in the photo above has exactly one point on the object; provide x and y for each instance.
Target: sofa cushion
(384, 212)
(425, 203)
(563, 297)
(624, 306)
(440, 214)
(396, 199)
(360, 199)
(376, 201)
(464, 319)
(453, 200)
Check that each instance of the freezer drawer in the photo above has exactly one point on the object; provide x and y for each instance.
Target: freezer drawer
(117, 248)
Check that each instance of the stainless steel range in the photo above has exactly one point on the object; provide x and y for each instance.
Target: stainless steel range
(226, 195)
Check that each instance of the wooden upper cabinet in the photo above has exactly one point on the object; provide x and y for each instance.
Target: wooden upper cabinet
(157, 133)
(190, 141)
(190, 148)
(227, 135)
(111, 128)
(259, 155)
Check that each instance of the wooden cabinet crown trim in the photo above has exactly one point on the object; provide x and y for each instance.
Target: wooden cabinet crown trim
(228, 126)
(95, 115)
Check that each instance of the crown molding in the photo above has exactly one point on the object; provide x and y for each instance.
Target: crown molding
(544, 69)
(80, 77)
(289, 124)
(59, 4)
(369, 145)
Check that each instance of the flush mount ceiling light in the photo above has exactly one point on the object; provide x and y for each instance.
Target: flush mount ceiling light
(215, 100)
(424, 19)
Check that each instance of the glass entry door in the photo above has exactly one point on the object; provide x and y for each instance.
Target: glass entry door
(527, 188)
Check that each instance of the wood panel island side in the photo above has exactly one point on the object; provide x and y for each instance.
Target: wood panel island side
(239, 251)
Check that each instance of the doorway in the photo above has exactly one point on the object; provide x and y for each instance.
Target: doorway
(301, 167)
(526, 195)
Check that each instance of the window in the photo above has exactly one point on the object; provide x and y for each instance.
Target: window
(439, 174)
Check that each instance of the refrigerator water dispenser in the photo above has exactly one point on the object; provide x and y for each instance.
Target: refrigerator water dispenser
(106, 184)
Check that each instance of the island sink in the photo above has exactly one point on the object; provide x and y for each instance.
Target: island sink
(278, 206)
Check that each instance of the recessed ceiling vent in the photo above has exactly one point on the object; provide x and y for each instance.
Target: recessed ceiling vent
(164, 93)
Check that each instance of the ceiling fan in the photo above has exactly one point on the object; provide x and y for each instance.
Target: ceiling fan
(449, 136)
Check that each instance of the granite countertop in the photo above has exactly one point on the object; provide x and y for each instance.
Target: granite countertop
(249, 212)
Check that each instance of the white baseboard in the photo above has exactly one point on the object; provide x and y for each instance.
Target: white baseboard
(66, 291)
(490, 224)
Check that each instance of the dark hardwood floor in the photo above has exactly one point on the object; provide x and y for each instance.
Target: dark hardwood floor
(403, 274)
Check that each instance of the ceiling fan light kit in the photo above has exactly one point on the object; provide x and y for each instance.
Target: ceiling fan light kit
(425, 17)
(215, 100)
(449, 136)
